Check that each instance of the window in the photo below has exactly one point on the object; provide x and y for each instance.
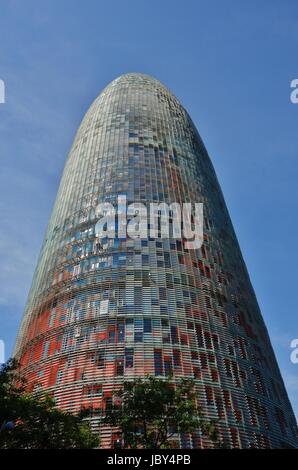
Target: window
(158, 362)
(52, 318)
(128, 358)
(174, 334)
(147, 325)
(177, 358)
(168, 365)
(138, 336)
(209, 395)
(46, 349)
(119, 367)
(59, 376)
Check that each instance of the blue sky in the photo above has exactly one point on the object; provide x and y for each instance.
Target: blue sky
(230, 63)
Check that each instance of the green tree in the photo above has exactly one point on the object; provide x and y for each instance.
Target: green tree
(151, 411)
(27, 422)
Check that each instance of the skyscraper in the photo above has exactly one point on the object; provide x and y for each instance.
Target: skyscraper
(104, 310)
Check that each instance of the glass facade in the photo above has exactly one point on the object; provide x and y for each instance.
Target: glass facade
(101, 311)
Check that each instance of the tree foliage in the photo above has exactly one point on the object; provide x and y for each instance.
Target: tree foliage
(27, 422)
(151, 411)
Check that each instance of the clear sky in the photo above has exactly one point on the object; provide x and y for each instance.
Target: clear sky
(229, 62)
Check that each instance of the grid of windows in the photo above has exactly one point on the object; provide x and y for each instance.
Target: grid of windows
(103, 311)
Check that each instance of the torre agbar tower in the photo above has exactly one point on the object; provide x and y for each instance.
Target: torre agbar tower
(106, 310)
